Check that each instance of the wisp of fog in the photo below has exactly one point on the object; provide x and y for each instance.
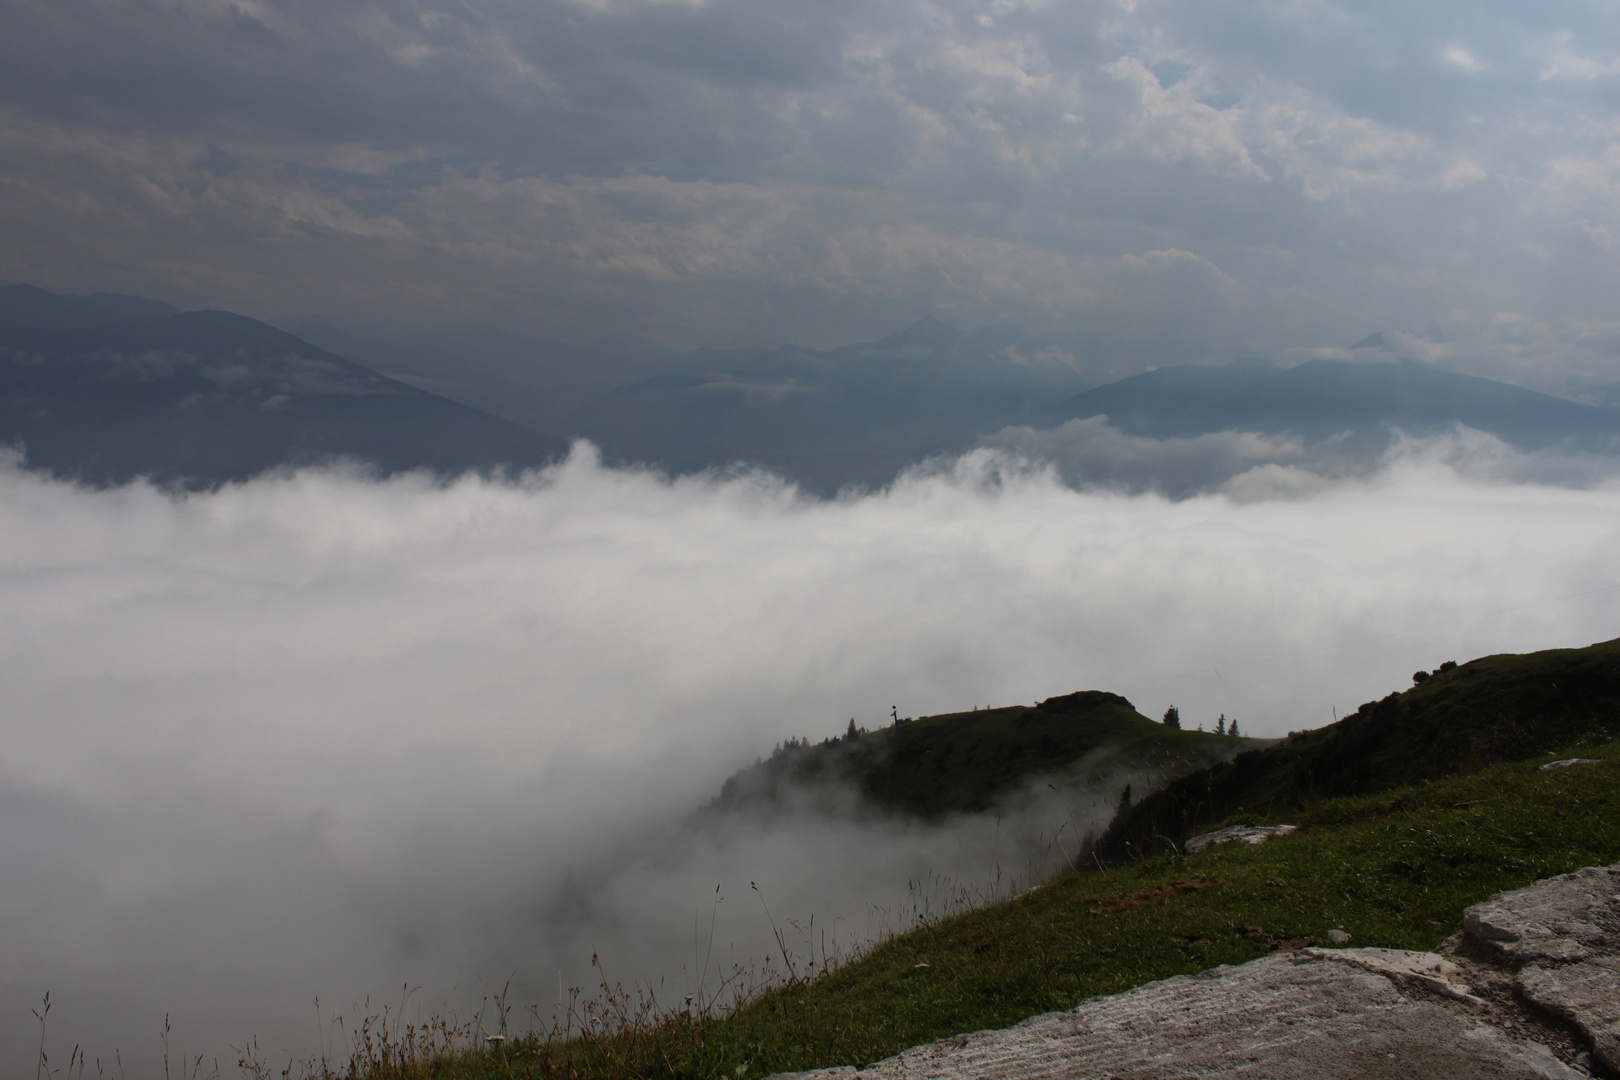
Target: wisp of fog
(324, 736)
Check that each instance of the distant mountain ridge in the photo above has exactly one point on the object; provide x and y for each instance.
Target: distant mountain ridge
(1321, 399)
(831, 418)
(532, 381)
(825, 418)
(108, 387)
(105, 389)
(28, 306)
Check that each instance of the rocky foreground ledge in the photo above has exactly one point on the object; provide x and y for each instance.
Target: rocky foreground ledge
(1531, 988)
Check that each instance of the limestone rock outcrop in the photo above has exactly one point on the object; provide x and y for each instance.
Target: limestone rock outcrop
(1560, 938)
(1530, 989)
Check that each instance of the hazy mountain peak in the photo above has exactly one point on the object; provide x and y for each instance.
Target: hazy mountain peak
(927, 333)
(1326, 398)
(1374, 340)
(94, 391)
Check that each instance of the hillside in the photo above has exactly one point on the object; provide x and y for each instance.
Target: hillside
(1456, 720)
(1394, 870)
(965, 762)
(1331, 399)
(105, 389)
(1409, 811)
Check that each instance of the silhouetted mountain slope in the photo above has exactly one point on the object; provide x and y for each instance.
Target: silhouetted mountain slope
(207, 396)
(965, 762)
(853, 415)
(28, 306)
(529, 380)
(1320, 399)
(1497, 708)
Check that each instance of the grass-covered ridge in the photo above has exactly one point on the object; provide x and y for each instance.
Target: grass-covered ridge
(1456, 720)
(964, 762)
(1395, 866)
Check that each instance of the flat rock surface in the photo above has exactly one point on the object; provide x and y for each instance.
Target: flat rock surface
(1561, 939)
(1535, 966)
(1235, 834)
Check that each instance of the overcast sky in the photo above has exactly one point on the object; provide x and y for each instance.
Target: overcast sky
(1163, 179)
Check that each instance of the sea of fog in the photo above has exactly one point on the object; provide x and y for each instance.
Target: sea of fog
(322, 737)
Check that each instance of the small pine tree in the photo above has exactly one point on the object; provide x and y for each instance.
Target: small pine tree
(1232, 730)
(850, 734)
(1172, 718)
(1220, 725)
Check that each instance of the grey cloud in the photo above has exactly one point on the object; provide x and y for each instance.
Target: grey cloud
(1344, 166)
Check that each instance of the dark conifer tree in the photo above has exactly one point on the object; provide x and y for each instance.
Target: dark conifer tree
(1172, 718)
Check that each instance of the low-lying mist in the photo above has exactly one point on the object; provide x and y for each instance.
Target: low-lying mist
(323, 736)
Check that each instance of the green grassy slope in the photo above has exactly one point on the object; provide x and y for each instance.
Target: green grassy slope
(964, 762)
(1410, 810)
(1395, 869)
(1496, 708)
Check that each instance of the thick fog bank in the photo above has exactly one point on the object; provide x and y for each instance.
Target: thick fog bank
(317, 735)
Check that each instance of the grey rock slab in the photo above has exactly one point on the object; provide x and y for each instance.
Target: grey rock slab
(1586, 994)
(1235, 834)
(1567, 762)
(1306, 1016)
(1562, 938)
(1428, 970)
(1548, 951)
(1559, 919)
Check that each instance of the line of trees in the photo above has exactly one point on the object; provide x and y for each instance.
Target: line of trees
(1172, 719)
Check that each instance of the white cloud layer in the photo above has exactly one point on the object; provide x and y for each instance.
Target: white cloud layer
(317, 735)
